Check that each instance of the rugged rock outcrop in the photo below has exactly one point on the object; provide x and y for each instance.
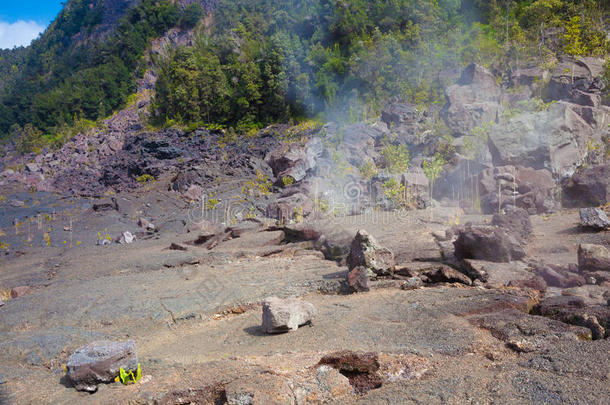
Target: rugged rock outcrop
(554, 139)
(593, 258)
(366, 252)
(472, 101)
(533, 190)
(516, 222)
(588, 187)
(487, 243)
(294, 160)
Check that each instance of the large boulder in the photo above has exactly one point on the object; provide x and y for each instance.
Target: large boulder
(554, 139)
(100, 362)
(575, 311)
(398, 114)
(285, 315)
(516, 222)
(295, 160)
(293, 206)
(594, 218)
(577, 81)
(487, 243)
(593, 258)
(533, 190)
(588, 187)
(366, 252)
(472, 101)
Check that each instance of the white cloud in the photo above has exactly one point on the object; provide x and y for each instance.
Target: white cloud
(19, 33)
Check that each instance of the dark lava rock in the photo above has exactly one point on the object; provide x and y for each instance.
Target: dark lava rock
(534, 283)
(589, 187)
(593, 258)
(358, 279)
(487, 243)
(106, 205)
(360, 368)
(99, 362)
(516, 222)
(366, 252)
(594, 218)
(473, 100)
(526, 333)
(445, 274)
(398, 114)
(557, 277)
(574, 311)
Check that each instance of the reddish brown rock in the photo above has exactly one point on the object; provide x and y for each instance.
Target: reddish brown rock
(358, 279)
(360, 368)
(445, 274)
(20, 291)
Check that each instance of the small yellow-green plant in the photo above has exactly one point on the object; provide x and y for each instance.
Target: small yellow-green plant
(368, 170)
(304, 128)
(321, 205)
(298, 214)
(396, 192)
(287, 181)
(4, 246)
(396, 158)
(5, 293)
(2, 198)
(145, 178)
(47, 238)
(342, 165)
(104, 235)
(128, 377)
(211, 202)
(258, 187)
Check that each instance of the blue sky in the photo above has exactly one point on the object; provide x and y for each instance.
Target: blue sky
(22, 20)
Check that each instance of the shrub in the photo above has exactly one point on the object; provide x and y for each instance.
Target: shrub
(396, 158)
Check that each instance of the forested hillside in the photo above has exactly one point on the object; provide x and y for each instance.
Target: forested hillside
(263, 61)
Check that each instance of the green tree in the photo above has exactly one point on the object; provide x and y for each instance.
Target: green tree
(573, 40)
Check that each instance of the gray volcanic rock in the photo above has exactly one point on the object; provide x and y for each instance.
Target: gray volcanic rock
(295, 160)
(290, 207)
(594, 218)
(533, 190)
(285, 315)
(472, 101)
(365, 251)
(487, 243)
(593, 258)
(398, 114)
(554, 139)
(516, 222)
(588, 187)
(100, 362)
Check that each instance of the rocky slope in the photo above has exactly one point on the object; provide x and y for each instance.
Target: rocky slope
(438, 301)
